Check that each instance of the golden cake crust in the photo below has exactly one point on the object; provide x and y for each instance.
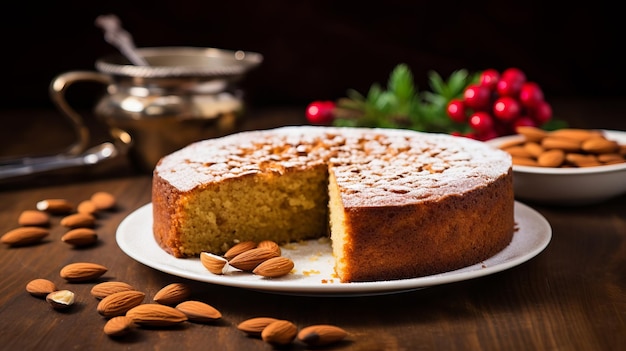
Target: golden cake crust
(408, 203)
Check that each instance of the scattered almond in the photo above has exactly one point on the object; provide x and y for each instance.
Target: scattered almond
(80, 237)
(55, 206)
(82, 271)
(213, 263)
(280, 332)
(117, 304)
(254, 326)
(156, 315)
(86, 206)
(104, 289)
(103, 200)
(34, 218)
(24, 236)
(239, 248)
(248, 260)
(172, 294)
(119, 326)
(274, 267)
(60, 299)
(321, 335)
(40, 287)
(198, 311)
(269, 244)
(78, 220)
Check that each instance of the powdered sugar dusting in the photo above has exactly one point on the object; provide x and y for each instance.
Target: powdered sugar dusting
(379, 166)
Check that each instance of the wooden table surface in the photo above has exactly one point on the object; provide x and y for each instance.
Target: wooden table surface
(571, 296)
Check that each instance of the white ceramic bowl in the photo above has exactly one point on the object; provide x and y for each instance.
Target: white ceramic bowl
(568, 186)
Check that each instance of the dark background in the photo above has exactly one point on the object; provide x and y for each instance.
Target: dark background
(317, 49)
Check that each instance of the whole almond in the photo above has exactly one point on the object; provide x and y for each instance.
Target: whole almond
(78, 220)
(24, 236)
(40, 287)
(104, 289)
(248, 260)
(531, 133)
(34, 218)
(239, 248)
(82, 271)
(524, 161)
(600, 145)
(172, 294)
(117, 304)
(254, 326)
(567, 145)
(551, 158)
(280, 332)
(321, 335)
(518, 151)
(55, 206)
(119, 326)
(60, 299)
(213, 263)
(274, 267)
(582, 160)
(575, 133)
(86, 206)
(80, 237)
(103, 200)
(156, 315)
(534, 149)
(198, 311)
(272, 245)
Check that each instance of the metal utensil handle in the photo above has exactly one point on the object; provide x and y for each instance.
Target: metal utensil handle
(117, 36)
(58, 87)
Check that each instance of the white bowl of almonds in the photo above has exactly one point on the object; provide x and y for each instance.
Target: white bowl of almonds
(567, 167)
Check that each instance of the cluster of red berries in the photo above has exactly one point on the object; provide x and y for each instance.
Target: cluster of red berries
(498, 103)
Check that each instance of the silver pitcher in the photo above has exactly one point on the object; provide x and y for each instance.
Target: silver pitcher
(186, 94)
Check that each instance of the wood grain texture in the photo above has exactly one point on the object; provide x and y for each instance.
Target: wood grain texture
(572, 296)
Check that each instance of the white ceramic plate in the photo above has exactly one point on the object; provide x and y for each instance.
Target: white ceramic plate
(313, 260)
(568, 186)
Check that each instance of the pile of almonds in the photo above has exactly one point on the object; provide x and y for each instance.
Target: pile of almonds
(123, 306)
(79, 220)
(262, 259)
(568, 147)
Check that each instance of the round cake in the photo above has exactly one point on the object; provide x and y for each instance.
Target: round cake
(396, 204)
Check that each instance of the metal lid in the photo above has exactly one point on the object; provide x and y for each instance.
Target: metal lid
(171, 62)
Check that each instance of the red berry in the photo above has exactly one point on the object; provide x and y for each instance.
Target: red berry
(510, 84)
(542, 113)
(489, 78)
(320, 112)
(477, 97)
(530, 95)
(481, 122)
(456, 111)
(506, 108)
